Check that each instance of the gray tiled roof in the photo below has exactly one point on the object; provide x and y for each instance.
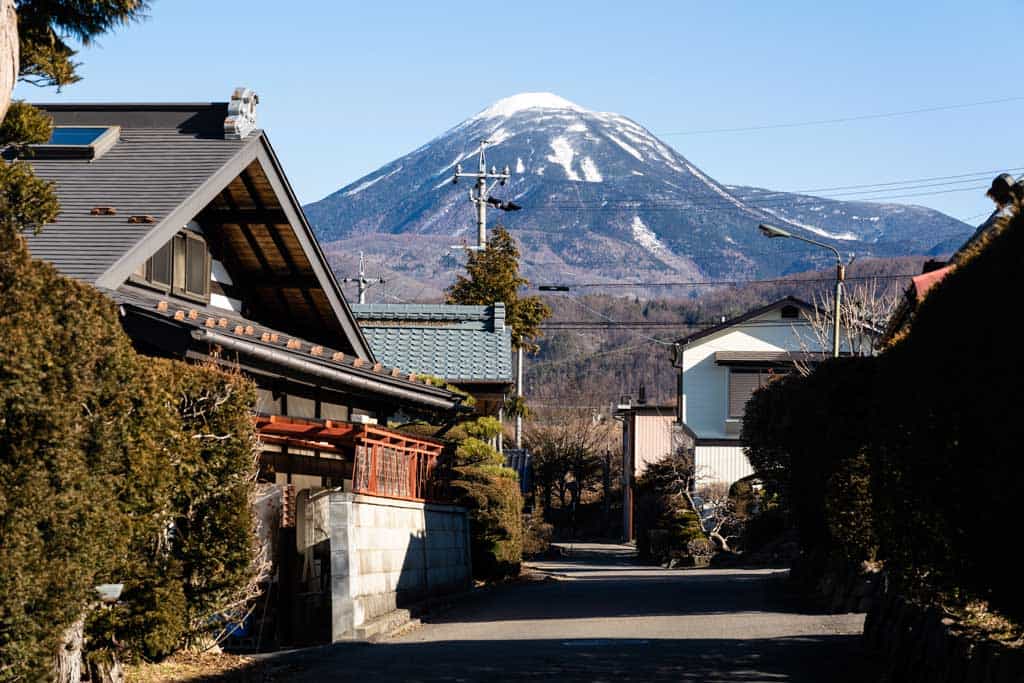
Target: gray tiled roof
(234, 325)
(155, 166)
(462, 344)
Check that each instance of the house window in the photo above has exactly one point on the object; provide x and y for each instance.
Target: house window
(743, 382)
(159, 268)
(182, 266)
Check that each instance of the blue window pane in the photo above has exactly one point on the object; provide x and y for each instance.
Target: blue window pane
(75, 135)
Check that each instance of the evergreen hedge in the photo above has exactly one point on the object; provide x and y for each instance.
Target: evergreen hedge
(490, 491)
(113, 468)
(913, 456)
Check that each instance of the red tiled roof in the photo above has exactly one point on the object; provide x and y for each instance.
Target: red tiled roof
(925, 281)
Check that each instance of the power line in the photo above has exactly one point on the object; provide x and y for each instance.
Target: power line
(844, 119)
(556, 325)
(909, 180)
(736, 283)
(722, 203)
(602, 315)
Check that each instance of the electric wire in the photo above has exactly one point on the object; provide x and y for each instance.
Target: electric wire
(733, 283)
(843, 119)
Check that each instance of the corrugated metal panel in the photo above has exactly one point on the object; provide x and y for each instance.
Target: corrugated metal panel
(726, 464)
(520, 460)
(653, 439)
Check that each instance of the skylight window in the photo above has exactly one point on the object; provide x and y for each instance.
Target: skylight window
(74, 135)
(77, 142)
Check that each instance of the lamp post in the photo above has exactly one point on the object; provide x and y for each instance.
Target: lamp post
(772, 231)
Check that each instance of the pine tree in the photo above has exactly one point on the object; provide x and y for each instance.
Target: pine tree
(44, 26)
(493, 275)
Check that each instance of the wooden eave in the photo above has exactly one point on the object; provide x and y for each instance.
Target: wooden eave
(256, 228)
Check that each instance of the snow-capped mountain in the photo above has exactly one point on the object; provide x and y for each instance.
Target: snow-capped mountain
(603, 200)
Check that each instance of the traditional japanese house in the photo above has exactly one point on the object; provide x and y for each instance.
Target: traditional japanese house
(182, 215)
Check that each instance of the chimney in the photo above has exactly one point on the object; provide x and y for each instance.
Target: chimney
(241, 118)
(641, 395)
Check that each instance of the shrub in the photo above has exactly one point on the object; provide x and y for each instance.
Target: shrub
(806, 437)
(537, 535)
(666, 522)
(490, 491)
(108, 474)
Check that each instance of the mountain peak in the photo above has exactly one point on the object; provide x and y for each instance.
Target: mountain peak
(526, 101)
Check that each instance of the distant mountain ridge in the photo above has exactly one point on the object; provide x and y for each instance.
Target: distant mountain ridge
(603, 200)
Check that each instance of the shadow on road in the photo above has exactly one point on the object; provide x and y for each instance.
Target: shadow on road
(810, 659)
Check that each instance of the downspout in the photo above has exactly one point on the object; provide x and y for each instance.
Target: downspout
(315, 369)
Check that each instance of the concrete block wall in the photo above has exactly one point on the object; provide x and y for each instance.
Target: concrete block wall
(386, 554)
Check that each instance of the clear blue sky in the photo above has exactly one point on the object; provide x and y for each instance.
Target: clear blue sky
(347, 86)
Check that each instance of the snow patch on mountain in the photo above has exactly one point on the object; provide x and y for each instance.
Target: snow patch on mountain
(563, 156)
(525, 101)
(369, 183)
(520, 167)
(845, 236)
(627, 148)
(646, 238)
(590, 172)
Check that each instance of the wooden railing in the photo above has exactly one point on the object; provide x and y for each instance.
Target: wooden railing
(393, 465)
(383, 462)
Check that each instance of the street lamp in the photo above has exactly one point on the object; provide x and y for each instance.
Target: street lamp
(772, 231)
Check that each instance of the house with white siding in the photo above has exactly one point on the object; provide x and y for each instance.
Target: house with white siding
(722, 366)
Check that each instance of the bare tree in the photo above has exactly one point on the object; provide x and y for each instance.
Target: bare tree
(718, 513)
(863, 314)
(568, 448)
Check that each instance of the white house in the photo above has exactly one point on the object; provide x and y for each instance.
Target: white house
(723, 365)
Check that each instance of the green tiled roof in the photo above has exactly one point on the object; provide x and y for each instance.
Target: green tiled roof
(461, 344)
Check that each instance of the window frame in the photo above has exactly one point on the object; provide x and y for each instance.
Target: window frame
(765, 374)
(178, 249)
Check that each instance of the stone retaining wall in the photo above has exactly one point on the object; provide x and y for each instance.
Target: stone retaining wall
(841, 586)
(918, 644)
(384, 554)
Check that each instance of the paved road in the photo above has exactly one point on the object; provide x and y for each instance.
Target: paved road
(600, 617)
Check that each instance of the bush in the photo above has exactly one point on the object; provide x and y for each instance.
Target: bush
(537, 535)
(481, 483)
(106, 477)
(666, 523)
(806, 438)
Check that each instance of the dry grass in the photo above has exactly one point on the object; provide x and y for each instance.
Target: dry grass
(977, 620)
(192, 666)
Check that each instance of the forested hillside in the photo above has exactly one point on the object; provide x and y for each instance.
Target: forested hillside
(593, 365)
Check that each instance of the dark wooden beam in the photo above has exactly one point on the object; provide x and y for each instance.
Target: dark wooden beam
(260, 256)
(247, 216)
(250, 187)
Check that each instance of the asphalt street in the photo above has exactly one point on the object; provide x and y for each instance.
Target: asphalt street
(598, 616)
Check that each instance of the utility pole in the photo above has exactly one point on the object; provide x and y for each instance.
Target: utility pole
(363, 281)
(482, 195)
(519, 395)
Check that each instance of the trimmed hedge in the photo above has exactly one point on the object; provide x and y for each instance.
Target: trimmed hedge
(114, 468)
(666, 524)
(913, 455)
